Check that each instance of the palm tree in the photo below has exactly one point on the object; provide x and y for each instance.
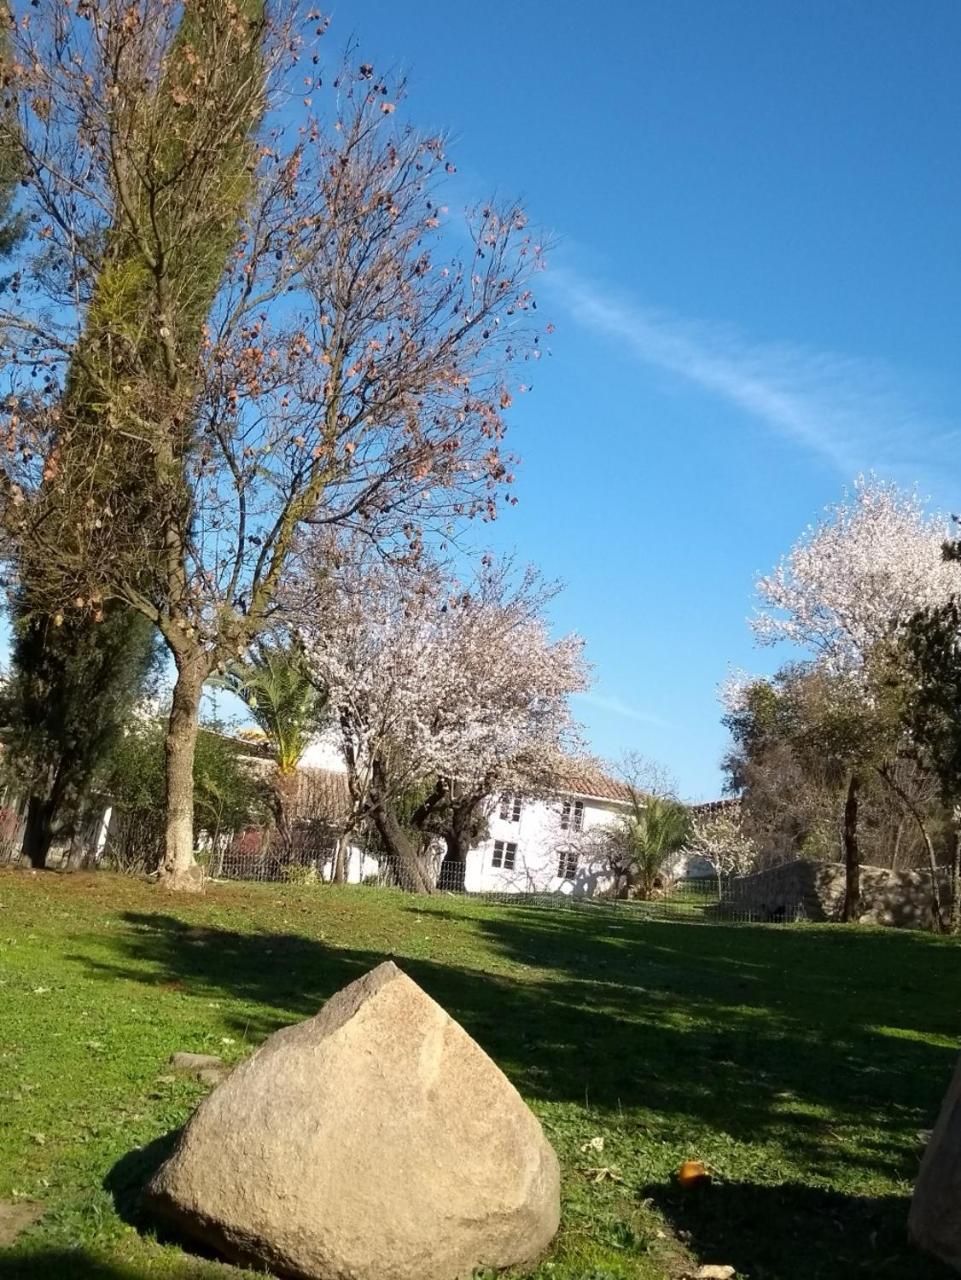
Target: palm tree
(288, 708)
(641, 842)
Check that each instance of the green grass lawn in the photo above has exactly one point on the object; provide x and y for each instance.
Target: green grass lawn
(800, 1063)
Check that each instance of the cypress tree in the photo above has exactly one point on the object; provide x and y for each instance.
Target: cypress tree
(76, 679)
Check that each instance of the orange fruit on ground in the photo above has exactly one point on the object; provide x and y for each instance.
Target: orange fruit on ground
(692, 1172)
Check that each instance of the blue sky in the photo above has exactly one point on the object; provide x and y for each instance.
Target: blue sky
(755, 287)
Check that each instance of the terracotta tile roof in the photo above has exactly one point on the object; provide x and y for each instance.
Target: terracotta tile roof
(581, 780)
(251, 748)
(322, 795)
(716, 806)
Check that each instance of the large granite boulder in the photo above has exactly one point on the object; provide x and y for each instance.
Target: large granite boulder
(375, 1141)
(934, 1222)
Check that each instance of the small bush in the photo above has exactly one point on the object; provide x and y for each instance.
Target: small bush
(297, 873)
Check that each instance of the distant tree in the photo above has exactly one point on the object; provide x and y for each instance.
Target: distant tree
(62, 712)
(787, 807)
(638, 846)
(274, 683)
(720, 839)
(834, 738)
(846, 593)
(933, 711)
(854, 581)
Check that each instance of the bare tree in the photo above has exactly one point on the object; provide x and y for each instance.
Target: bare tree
(351, 370)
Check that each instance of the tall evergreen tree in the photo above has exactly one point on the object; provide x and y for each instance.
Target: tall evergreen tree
(64, 709)
(76, 679)
(349, 373)
(12, 222)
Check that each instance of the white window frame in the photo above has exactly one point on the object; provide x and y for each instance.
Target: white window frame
(504, 849)
(510, 810)
(567, 864)
(572, 815)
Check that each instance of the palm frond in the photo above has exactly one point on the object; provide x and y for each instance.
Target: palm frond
(285, 704)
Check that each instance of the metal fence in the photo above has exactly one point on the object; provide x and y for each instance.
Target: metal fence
(696, 899)
(134, 843)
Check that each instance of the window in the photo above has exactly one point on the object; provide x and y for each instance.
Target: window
(511, 808)
(505, 854)
(567, 866)
(572, 815)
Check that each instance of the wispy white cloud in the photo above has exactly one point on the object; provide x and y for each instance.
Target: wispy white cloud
(618, 707)
(854, 414)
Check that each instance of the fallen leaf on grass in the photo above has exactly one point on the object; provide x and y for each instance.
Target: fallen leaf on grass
(595, 1144)
(605, 1174)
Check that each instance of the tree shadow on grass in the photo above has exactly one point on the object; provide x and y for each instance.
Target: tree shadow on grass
(62, 1264)
(788, 1036)
(712, 1026)
(787, 968)
(83, 1264)
(791, 1231)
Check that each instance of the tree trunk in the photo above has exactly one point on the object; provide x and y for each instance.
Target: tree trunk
(912, 808)
(954, 917)
(216, 865)
(457, 836)
(285, 790)
(40, 829)
(852, 853)
(409, 867)
(338, 874)
(402, 854)
(896, 852)
(37, 831)
(179, 869)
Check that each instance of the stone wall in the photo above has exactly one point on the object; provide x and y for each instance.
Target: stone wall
(805, 890)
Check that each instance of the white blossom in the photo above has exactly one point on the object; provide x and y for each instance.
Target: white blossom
(719, 838)
(436, 679)
(857, 577)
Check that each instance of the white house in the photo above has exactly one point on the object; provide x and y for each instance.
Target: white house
(533, 845)
(538, 845)
(543, 845)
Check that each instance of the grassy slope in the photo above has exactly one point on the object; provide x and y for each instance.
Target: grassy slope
(799, 1063)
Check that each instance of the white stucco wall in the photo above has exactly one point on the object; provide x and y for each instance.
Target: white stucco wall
(324, 752)
(539, 839)
(538, 836)
(359, 866)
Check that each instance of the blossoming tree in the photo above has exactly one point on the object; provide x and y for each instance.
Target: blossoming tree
(847, 593)
(457, 688)
(855, 579)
